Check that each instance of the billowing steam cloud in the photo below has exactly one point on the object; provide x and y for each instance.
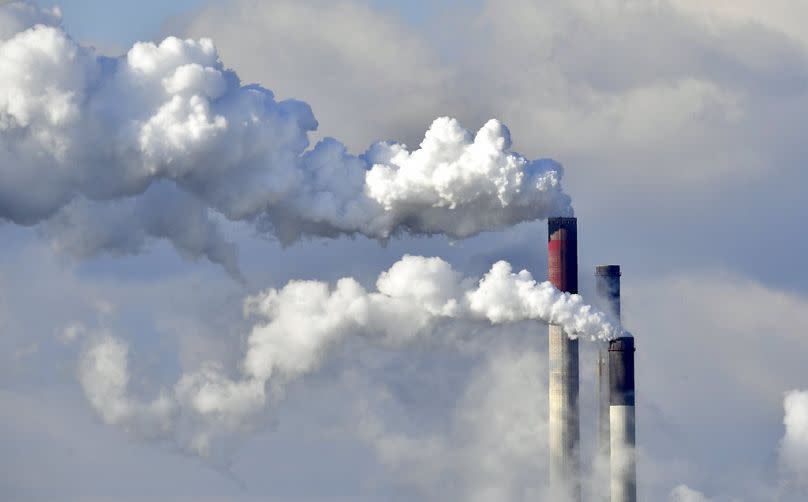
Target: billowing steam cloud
(298, 324)
(76, 126)
(794, 447)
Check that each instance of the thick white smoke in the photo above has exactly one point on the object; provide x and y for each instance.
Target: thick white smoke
(794, 446)
(76, 125)
(297, 325)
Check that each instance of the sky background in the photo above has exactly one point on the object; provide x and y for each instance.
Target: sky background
(680, 124)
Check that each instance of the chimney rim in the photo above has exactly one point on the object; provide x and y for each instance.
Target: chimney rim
(622, 344)
(608, 270)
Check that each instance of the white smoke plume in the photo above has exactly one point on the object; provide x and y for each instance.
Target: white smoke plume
(78, 125)
(104, 376)
(684, 493)
(19, 16)
(794, 446)
(86, 229)
(298, 325)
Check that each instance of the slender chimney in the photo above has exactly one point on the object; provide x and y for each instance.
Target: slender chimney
(607, 287)
(621, 420)
(607, 290)
(564, 424)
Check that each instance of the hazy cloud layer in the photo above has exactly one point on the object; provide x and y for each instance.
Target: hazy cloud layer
(494, 444)
(85, 229)
(342, 57)
(413, 391)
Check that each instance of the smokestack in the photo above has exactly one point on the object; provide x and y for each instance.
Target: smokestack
(621, 420)
(562, 261)
(607, 291)
(607, 287)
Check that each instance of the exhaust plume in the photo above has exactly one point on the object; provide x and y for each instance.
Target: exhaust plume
(298, 325)
(794, 445)
(84, 229)
(104, 376)
(76, 126)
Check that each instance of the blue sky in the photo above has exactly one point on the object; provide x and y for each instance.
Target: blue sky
(120, 23)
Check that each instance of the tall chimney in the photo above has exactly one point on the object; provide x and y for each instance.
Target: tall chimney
(607, 291)
(562, 261)
(621, 420)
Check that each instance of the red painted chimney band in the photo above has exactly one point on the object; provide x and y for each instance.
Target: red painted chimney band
(562, 253)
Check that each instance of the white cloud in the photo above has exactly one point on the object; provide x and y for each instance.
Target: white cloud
(698, 104)
(794, 446)
(16, 16)
(345, 58)
(104, 376)
(73, 332)
(86, 229)
(632, 94)
(715, 321)
(777, 15)
(683, 493)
